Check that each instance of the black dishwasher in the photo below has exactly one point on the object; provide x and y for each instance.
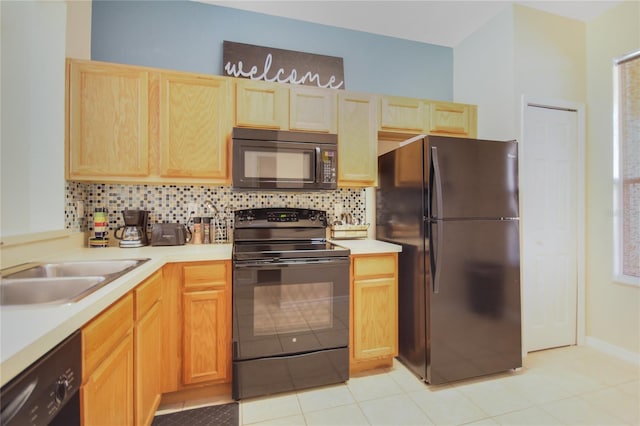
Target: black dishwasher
(46, 392)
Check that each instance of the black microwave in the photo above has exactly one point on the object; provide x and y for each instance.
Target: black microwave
(284, 160)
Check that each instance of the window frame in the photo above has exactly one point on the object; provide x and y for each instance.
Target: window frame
(618, 181)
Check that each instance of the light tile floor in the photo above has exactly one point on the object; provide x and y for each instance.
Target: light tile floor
(565, 386)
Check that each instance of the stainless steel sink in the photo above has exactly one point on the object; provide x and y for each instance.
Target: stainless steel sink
(76, 269)
(28, 291)
(60, 282)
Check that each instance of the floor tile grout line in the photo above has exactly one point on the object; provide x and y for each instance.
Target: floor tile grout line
(566, 363)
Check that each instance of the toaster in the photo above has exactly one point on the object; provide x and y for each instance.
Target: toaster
(169, 234)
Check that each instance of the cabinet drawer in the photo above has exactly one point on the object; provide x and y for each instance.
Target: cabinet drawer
(148, 293)
(374, 265)
(103, 333)
(208, 274)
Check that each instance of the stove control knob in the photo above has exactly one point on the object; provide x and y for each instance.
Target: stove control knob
(62, 386)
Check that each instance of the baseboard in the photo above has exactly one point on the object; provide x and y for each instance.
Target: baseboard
(613, 350)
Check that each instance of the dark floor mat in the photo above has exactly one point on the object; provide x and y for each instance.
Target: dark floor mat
(215, 415)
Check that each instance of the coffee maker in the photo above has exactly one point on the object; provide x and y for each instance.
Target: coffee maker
(134, 231)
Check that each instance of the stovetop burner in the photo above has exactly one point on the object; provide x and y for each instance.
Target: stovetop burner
(282, 233)
(265, 250)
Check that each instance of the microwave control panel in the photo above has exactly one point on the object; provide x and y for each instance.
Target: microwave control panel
(328, 166)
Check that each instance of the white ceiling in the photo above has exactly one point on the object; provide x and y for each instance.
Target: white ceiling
(445, 23)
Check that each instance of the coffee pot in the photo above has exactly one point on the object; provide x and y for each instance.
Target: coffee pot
(134, 231)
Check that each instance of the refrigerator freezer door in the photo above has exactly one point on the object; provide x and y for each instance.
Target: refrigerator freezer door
(473, 320)
(472, 178)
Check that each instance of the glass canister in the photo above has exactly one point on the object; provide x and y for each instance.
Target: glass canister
(206, 230)
(197, 230)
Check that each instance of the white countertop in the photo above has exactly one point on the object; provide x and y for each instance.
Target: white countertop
(27, 333)
(367, 246)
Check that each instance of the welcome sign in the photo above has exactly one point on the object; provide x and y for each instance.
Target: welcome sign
(282, 66)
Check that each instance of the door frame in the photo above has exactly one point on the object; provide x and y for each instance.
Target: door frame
(579, 108)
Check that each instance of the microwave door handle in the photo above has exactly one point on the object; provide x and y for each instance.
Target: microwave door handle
(318, 165)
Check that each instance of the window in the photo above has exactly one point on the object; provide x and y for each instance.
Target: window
(626, 169)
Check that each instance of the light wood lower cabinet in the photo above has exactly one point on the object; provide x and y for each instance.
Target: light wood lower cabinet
(121, 355)
(374, 310)
(196, 325)
(147, 348)
(205, 316)
(106, 395)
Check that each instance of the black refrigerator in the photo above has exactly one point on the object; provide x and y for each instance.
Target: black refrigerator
(452, 204)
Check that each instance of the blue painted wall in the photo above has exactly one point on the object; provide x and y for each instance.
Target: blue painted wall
(188, 36)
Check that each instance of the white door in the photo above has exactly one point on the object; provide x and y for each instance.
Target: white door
(549, 188)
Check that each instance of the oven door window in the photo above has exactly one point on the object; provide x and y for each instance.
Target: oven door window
(290, 309)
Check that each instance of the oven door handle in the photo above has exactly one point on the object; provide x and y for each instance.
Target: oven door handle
(271, 263)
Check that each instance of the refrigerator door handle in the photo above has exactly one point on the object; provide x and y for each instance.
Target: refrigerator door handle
(436, 267)
(438, 192)
(437, 180)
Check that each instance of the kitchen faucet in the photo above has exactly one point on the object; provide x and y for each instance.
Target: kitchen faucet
(209, 205)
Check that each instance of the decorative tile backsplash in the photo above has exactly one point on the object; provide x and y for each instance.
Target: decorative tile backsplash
(168, 203)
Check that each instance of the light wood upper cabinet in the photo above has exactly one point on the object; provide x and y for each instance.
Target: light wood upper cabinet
(144, 125)
(195, 123)
(357, 139)
(400, 114)
(262, 104)
(448, 118)
(108, 115)
(374, 325)
(313, 109)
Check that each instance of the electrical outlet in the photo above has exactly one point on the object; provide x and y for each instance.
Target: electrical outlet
(337, 209)
(193, 209)
(80, 209)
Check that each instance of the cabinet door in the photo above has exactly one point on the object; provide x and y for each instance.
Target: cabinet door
(108, 121)
(357, 139)
(374, 316)
(206, 334)
(403, 114)
(313, 109)
(195, 126)
(107, 395)
(408, 173)
(453, 119)
(261, 104)
(171, 378)
(103, 333)
(147, 334)
(374, 332)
